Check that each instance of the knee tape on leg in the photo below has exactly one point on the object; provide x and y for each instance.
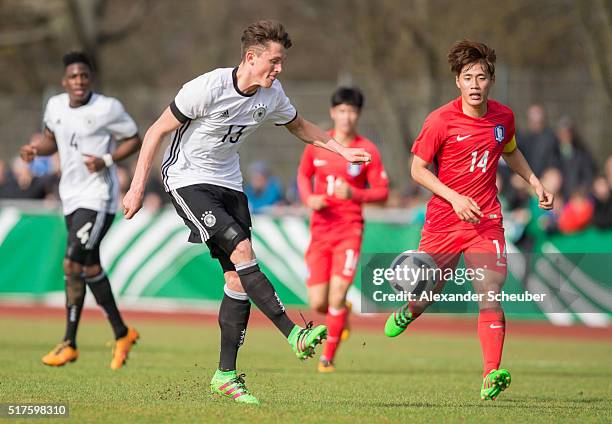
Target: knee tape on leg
(75, 289)
(228, 238)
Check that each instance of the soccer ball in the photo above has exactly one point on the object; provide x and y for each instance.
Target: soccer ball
(414, 272)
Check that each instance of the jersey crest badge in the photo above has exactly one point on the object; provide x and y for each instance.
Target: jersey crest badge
(209, 219)
(500, 133)
(259, 113)
(354, 169)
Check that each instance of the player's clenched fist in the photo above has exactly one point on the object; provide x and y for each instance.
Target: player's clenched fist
(466, 208)
(342, 189)
(316, 202)
(93, 163)
(132, 202)
(545, 198)
(27, 152)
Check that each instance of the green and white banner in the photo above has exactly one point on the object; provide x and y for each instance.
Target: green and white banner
(151, 264)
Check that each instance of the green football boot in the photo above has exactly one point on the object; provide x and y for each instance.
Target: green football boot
(231, 385)
(494, 383)
(304, 340)
(398, 321)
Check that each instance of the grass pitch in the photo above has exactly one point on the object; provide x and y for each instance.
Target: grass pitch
(409, 379)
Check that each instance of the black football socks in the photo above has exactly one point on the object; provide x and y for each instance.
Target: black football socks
(262, 293)
(101, 289)
(75, 296)
(233, 319)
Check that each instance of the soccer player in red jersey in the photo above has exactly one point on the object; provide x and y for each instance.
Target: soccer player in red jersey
(340, 189)
(464, 139)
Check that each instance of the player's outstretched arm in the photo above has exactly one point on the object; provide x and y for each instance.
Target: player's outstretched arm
(165, 124)
(517, 162)
(312, 134)
(44, 146)
(465, 207)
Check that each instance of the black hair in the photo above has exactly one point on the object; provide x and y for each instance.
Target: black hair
(76, 57)
(351, 96)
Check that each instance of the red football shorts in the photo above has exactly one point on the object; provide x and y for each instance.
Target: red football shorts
(335, 253)
(481, 247)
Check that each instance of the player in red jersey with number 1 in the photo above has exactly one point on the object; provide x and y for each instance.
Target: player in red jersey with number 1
(464, 139)
(340, 190)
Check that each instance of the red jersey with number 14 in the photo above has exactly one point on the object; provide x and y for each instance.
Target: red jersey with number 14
(368, 183)
(465, 152)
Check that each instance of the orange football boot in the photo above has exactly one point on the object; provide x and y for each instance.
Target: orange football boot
(61, 354)
(122, 348)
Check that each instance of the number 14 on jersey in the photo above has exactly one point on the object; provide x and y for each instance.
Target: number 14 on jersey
(482, 163)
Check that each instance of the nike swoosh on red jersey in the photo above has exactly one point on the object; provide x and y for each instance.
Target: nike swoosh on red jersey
(495, 326)
(459, 138)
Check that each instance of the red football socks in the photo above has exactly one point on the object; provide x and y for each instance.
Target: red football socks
(335, 321)
(491, 331)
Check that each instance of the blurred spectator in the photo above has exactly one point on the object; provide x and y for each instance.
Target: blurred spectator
(20, 183)
(538, 143)
(155, 196)
(292, 195)
(395, 200)
(52, 178)
(262, 189)
(577, 164)
(4, 177)
(602, 193)
(515, 218)
(567, 216)
(124, 179)
(542, 220)
(512, 188)
(123, 176)
(576, 214)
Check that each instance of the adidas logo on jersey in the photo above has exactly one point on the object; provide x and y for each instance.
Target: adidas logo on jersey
(225, 114)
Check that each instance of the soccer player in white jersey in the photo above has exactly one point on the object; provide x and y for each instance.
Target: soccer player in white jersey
(211, 116)
(85, 127)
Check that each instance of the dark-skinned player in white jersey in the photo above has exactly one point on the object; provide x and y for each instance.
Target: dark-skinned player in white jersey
(84, 127)
(210, 117)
